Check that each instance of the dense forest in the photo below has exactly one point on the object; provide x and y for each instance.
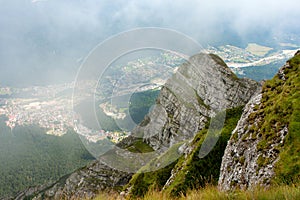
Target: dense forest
(28, 156)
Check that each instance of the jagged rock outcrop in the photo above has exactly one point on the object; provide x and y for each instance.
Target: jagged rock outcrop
(239, 166)
(252, 153)
(197, 91)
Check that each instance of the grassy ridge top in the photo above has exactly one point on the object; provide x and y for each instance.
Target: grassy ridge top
(288, 104)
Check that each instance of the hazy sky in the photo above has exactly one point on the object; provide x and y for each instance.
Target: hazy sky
(43, 39)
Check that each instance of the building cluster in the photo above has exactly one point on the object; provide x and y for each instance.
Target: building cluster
(55, 115)
(50, 108)
(233, 54)
(95, 136)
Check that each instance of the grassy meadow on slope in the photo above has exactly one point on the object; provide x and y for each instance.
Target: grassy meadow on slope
(212, 193)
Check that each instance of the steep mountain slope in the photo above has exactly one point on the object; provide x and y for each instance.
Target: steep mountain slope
(265, 146)
(197, 92)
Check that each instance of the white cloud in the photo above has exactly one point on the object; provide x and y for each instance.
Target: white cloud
(36, 1)
(32, 30)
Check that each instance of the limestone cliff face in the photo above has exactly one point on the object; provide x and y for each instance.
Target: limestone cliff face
(254, 148)
(197, 91)
(239, 165)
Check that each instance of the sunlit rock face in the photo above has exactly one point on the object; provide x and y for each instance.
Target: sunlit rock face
(200, 88)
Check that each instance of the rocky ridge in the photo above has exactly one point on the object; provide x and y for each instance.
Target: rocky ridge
(199, 89)
(252, 153)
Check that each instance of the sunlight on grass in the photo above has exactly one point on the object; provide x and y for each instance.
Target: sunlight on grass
(212, 192)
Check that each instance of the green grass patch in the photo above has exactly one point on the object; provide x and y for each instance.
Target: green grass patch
(212, 192)
(139, 147)
(152, 176)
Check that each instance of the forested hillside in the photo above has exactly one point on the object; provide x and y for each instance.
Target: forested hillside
(28, 156)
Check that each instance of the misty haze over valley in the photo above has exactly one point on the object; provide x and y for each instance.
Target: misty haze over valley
(45, 41)
(132, 96)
